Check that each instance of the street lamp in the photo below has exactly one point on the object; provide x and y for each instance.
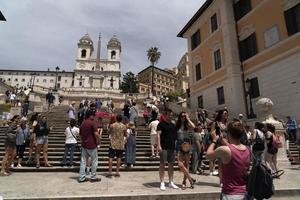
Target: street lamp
(55, 87)
(249, 92)
(31, 85)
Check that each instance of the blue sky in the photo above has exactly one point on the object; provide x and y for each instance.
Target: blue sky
(42, 34)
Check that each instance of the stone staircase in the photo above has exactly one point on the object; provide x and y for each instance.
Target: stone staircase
(58, 119)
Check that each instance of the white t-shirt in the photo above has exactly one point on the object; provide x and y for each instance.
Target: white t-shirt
(69, 137)
(153, 126)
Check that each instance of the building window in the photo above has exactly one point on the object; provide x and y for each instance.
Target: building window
(195, 39)
(217, 59)
(271, 36)
(214, 23)
(16, 80)
(24, 74)
(45, 81)
(221, 97)
(248, 47)
(59, 78)
(198, 71)
(23, 79)
(83, 53)
(8, 79)
(113, 55)
(51, 81)
(254, 90)
(241, 8)
(80, 83)
(37, 80)
(200, 101)
(292, 19)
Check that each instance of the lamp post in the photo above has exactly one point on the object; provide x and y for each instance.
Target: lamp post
(249, 92)
(32, 80)
(56, 69)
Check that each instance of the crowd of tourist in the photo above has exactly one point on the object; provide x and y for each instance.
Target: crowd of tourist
(225, 140)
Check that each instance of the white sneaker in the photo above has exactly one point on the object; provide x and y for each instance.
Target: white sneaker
(162, 186)
(12, 165)
(19, 165)
(215, 173)
(172, 185)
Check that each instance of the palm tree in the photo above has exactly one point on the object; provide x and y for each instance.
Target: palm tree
(153, 56)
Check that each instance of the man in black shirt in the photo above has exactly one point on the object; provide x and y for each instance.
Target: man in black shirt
(166, 137)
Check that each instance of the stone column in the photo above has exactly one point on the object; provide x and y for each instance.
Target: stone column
(234, 92)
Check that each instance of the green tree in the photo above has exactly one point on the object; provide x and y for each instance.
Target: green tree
(153, 56)
(173, 95)
(129, 83)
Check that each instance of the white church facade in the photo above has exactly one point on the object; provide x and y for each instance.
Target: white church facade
(90, 74)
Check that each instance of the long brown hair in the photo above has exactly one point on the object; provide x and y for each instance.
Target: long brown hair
(179, 122)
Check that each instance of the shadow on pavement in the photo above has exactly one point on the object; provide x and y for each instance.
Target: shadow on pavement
(152, 185)
(207, 184)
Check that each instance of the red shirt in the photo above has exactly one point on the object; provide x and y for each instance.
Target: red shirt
(234, 176)
(87, 134)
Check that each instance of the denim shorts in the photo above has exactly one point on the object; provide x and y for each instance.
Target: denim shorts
(42, 139)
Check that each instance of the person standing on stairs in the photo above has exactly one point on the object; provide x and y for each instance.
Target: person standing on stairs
(72, 133)
(130, 146)
(22, 135)
(10, 146)
(153, 137)
(72, 111)
(89, 136)
(183, 147)
(166, 137)
(117, 132)
(35, 118)
(134, 113)
(42, 131)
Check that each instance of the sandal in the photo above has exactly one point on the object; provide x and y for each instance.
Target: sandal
(183, 187)
(192, 182)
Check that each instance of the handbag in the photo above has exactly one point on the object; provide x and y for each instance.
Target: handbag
(185, 146)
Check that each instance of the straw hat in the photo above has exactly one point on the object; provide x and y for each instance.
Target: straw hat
(131, 125)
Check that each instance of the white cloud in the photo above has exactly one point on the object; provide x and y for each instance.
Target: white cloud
(41, 34)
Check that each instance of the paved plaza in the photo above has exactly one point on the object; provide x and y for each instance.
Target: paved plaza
(131, 185)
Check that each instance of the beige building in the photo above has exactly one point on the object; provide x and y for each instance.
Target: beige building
(163, 81)
(90, 73)
(182, 76)
(237, 41)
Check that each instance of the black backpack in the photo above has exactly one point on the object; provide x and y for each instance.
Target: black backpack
(259, 143)
(260, 182)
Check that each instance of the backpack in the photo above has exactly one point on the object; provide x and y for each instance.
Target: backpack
(259, 143)
(260, 182)
(276, 143)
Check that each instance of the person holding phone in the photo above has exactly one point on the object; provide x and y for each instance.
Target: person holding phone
(42, 131)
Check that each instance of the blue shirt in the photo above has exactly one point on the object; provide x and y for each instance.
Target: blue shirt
(22, 134)
(292, 125)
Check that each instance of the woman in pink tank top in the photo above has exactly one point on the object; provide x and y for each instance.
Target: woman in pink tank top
(235, 159)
